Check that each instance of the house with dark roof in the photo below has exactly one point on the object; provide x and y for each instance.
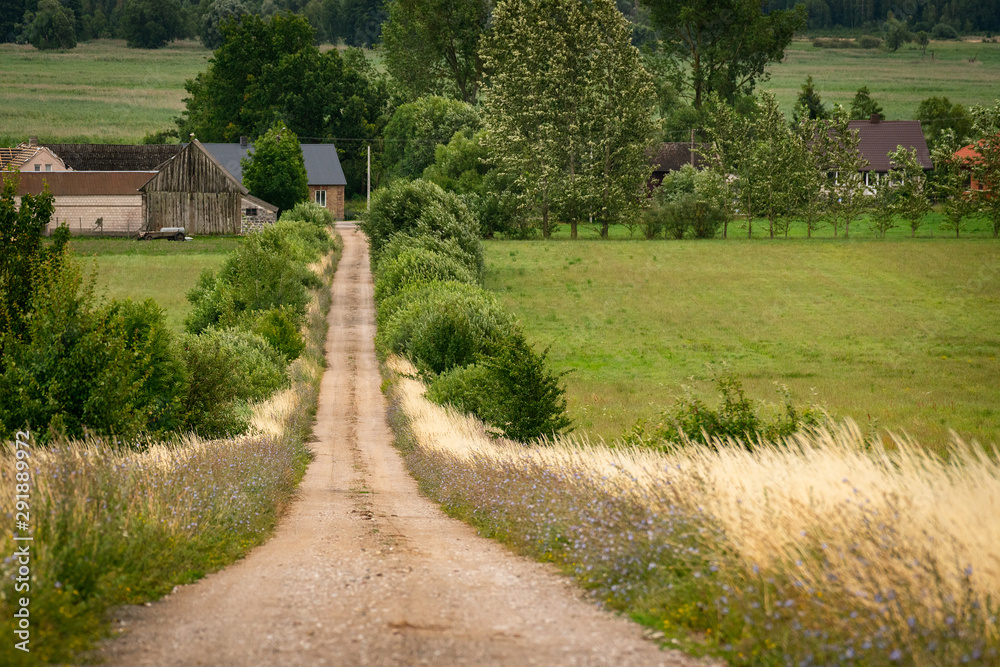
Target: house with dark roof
(671, 156)
(323, 171)
(878, 138)
(161, 186)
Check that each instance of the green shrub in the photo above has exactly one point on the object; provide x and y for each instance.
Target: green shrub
(258, 369)
(421, 208)
(735, 417)
(440, 327)
(280, 327)
(77, 368)
(210, 403)
(868, 42)
(299, 239)
(417, 265)
(310, 212)
(690, 215)
(944, 31)
(266, 271)
(512, 391)
(401, 242)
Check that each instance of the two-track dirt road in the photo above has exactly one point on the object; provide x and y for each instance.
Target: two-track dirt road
(365, 571)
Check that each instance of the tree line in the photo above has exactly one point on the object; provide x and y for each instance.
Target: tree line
(961, 15)
(151, 24)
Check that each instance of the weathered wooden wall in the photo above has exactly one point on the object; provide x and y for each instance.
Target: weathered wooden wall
(193, 191)
(198, 212)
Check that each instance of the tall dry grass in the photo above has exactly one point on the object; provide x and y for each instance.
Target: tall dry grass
(118, 526)
(823, 548)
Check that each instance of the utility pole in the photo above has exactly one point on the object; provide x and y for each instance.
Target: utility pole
(368, 206)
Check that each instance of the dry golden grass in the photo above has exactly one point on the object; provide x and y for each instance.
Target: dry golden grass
(904, 535)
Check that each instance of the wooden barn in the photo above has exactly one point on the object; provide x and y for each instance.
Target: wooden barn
(192, 190)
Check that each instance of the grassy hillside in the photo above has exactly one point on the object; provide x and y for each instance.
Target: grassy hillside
(98, 92)
(899, 334)
(964, 72)
(160, 270)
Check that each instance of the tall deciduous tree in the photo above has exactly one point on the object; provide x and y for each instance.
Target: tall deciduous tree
(268, 70)
(150, 24)
(432, 46)
(569, 113)
(722, 46)
(53, 27)
(219, 11)
(417, 128)
(276, 170)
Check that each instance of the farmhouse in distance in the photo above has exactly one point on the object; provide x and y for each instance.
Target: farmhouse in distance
(124, 189)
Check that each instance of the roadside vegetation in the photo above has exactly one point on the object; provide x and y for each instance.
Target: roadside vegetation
(819, 548)
(197, 465)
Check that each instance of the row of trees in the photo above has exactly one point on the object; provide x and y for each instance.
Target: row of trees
(151, 24)
(760, 168)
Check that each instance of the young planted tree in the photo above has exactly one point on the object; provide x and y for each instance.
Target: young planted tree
(762, 157)
(951, 184)
(276, 170)
(813, 173)
(985, 167)
(568, 117)
(912, 202)
(848, 198)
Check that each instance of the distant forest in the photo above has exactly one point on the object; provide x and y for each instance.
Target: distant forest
(359, 22)
(354, 22)
(962, 15)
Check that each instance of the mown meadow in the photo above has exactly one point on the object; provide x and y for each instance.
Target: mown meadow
(103, 92)
(99, 92)
(160, 270)
(901, 335)
(965, 72)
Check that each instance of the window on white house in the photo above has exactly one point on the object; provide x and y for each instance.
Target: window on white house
(321, 198)
(38, 167)
(48, 167)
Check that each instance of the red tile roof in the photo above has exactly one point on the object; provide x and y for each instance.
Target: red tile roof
(84, 182)
(880, 138)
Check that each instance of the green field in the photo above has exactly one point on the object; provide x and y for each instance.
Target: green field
(160, 270)
(899, 334)
(898, 81)
(99, 92)
(102, 91)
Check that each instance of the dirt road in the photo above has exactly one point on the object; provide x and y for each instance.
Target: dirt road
(365, 571)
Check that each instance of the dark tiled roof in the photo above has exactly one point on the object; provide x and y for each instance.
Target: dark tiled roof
(671, 156)
(881, 138)
(84, 182)
(322, 163)
(114, 157)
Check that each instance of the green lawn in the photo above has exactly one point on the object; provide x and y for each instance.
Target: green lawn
(898, 81)
(160, 270)
(900, 334)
